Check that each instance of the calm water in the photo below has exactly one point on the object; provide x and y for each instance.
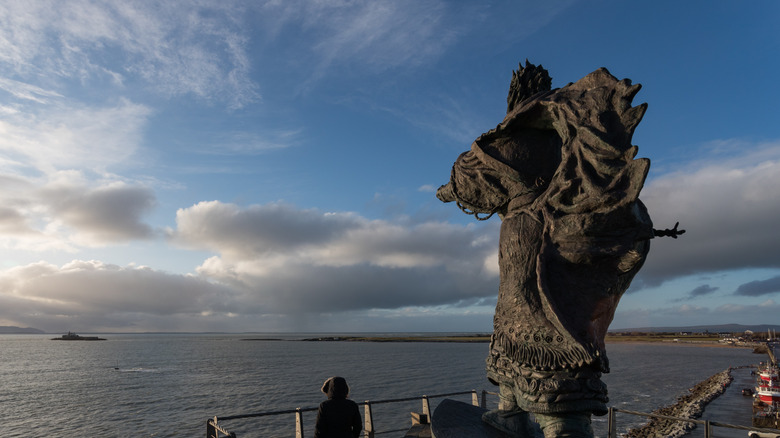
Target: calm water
(169, 385)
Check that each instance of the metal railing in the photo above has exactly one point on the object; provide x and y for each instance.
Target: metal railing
(214, 429)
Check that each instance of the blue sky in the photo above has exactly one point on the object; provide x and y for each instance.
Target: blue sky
(271, 166)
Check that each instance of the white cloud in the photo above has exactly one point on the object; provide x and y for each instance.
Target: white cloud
(381, 35)
(729, 208)
(327, 239)
(246, 143)
(60, 138)
(13, 222)
(305, 260)
(229, 295)
(94, 294)
(24, 91)
(197, 49)
(110, 213)
(278, 260)
(67, 211)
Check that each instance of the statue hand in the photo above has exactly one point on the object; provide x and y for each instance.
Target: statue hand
(673, 233)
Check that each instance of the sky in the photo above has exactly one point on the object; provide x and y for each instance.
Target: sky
(251, 166)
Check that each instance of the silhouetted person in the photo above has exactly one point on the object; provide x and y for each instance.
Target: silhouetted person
(337, 417)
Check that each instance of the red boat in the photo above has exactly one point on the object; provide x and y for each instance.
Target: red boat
(766, 402)
(768, 389)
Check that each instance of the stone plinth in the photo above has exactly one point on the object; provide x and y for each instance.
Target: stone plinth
(454, 419)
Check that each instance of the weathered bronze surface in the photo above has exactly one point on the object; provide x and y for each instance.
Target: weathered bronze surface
(561, 173)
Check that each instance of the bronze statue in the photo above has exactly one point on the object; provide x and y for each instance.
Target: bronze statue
(560, 172)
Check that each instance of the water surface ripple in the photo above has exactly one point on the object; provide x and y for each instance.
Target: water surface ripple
(168, 385)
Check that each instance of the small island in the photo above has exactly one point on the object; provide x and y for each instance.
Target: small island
(74, 337)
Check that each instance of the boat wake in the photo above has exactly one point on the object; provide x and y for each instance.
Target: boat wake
(138, 370)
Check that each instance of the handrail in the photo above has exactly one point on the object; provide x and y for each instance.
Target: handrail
(373, 402)
(213, 429)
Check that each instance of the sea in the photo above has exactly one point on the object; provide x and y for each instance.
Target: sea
(169, 385)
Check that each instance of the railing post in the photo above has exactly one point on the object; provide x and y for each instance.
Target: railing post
(368, 431)
(611, 423)
(484, 399)
(707, 429)
(211, 431)
(474, 397)
(426, 406)
(298, 423)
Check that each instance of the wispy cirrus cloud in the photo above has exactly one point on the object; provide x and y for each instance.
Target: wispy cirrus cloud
(61, 137)
(374, 35)
(198, 50)
(26, 92)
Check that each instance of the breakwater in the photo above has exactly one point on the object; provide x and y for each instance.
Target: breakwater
(690, 406)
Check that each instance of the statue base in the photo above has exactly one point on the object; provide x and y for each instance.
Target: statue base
(454, 419)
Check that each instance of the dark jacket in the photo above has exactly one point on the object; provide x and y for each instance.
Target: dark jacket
(338, 418)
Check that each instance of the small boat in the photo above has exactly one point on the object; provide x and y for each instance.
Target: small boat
(74, 337)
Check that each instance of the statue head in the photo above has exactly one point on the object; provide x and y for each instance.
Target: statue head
(514, 162)
(526, 82)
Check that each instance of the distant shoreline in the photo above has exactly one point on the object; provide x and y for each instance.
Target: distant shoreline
(485, 338)
(416, 338)
(711, 344)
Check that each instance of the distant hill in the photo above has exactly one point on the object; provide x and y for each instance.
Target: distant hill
(722, 328)
(9, 329)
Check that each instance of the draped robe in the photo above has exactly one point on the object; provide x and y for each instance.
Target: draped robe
(561, 172)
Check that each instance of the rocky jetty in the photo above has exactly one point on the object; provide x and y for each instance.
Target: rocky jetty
(689, 406)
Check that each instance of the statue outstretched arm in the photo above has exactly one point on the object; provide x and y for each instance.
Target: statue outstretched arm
(673, 233)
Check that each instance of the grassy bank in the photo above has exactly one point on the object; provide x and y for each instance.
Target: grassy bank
(661, 337)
